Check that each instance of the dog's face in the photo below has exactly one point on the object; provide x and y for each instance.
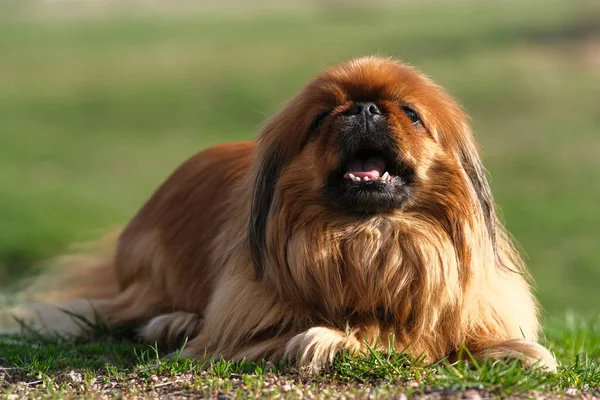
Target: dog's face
(370, 137)
(370, 143)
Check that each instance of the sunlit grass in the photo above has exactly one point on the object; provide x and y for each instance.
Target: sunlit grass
(105, 358)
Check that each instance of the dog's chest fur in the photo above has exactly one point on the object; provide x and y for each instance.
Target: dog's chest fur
(378, 268)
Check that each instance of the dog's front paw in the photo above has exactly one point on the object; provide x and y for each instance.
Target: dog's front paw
(531, 354)
(171, 330)
(316, 348)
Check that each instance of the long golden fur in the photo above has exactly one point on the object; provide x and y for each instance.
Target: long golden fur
(269, 249)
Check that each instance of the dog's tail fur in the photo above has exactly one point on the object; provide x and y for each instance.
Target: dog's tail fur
(72, 290)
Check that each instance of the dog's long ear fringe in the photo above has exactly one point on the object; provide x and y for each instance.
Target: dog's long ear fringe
(281, 138)
(504, 251)
(262, 197)
(471, 163)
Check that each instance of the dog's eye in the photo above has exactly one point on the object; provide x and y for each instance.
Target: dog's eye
(318, 121)
(411, 114)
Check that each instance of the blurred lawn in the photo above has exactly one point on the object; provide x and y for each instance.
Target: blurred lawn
(95, 112)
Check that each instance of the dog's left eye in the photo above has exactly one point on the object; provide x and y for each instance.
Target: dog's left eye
(411, 114)
(318, 121)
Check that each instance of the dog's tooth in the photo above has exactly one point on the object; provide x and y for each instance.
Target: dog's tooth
(385, 176)
(366, 178)
(352, 177)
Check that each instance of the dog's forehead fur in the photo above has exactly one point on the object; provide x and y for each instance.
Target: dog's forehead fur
(372, 79)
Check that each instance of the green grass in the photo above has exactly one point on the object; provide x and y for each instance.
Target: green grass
(95, 112)
(66, 367)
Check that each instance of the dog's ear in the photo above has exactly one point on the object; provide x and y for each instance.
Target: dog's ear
(262, 197)
(477, 174)
(455, 133)
(503, 249)
(282, 137)
(468, 154)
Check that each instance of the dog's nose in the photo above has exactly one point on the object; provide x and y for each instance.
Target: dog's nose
(368, 109)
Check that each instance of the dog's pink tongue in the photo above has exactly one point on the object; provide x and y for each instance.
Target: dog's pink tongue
(373, 167)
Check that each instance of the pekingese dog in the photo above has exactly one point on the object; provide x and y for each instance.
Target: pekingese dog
(361, 211)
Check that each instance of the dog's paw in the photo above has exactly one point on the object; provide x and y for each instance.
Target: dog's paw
(531, 354)
(316, 348)
(171, 330)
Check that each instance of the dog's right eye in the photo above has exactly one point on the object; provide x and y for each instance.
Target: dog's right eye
(317, 123)
(411, 114)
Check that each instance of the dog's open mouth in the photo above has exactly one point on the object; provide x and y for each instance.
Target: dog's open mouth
(368, 166)
(370, 181)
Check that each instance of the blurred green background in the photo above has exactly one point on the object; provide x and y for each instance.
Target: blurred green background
(100, 101)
